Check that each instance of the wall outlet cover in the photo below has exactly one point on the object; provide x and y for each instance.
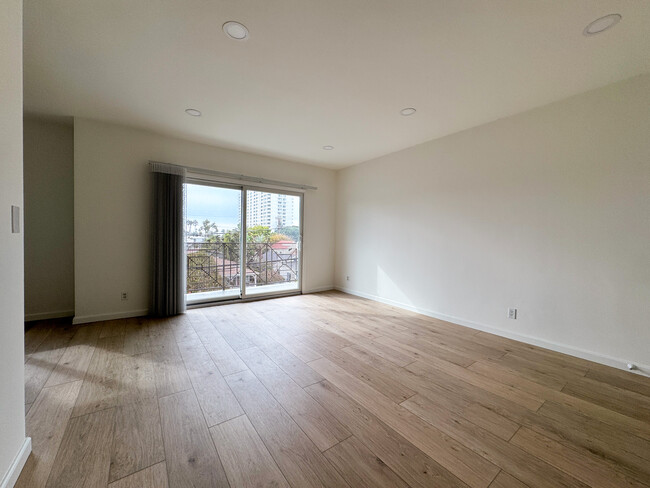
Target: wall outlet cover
(15, 219)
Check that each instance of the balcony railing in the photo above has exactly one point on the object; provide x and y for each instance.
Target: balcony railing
(215, 266)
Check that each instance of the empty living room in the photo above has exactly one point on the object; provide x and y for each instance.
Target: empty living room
(317, 244)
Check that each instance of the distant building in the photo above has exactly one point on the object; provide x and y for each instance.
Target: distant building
(272, 210)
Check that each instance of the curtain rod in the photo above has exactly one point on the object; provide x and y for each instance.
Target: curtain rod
(235, 176)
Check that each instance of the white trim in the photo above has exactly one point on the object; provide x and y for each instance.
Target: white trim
(84, 319)
(17, 464)
(48, 315)
(318, 289)
(643, 369)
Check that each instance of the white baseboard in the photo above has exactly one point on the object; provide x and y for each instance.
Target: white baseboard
(30, 317)
(17, 464)
(318, 289)
(84, 319)
(643, 369)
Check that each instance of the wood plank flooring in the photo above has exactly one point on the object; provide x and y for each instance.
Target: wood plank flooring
(322, 390)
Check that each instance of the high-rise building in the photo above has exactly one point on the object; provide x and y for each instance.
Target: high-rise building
(272, 210)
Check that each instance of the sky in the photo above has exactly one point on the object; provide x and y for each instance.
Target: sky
(219, 205)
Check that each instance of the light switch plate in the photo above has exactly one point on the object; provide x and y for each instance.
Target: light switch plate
(15, 219)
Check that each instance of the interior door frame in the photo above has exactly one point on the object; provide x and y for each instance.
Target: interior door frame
(202, 180)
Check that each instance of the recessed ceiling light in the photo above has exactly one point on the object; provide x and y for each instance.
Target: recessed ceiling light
(407, 111)
(235, 30)
(193, 112)
(602, 24)
(328, 148)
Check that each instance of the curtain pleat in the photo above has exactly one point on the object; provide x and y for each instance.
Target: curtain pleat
(168, 286)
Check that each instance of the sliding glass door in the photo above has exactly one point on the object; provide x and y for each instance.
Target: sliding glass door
(212, 242)
(241, 242)
(273, 242)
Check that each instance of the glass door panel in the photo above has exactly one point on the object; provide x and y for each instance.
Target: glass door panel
(273, 242)
(213, 243)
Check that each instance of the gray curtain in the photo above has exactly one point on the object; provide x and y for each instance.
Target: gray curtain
(168, 250)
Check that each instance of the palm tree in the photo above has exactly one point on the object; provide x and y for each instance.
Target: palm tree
(208, 228)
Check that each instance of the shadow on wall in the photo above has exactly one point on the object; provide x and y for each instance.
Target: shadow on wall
(386, 288)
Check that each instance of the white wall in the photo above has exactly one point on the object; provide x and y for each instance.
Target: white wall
(49, 212)
(112, 206)
(12, 377)
(547, 211)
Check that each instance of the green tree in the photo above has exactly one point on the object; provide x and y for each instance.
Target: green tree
(258, 233)
(279, 237)
(208, 228)
(231, 245)
(191, 226)
(291, 231)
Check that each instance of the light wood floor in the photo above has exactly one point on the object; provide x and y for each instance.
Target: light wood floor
(322, 390)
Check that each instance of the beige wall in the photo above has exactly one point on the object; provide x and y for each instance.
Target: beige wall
(12, 377)
(547, 211)
(49, 215)
(112, 202)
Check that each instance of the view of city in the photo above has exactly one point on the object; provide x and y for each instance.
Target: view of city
(213, 237)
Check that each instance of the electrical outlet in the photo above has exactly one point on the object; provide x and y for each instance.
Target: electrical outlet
(347, 278)
(125, 296)
(512, 313)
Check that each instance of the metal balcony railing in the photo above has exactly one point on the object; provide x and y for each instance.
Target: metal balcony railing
(213, 266)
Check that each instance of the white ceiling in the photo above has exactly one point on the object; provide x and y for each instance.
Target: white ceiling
(320, 72)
